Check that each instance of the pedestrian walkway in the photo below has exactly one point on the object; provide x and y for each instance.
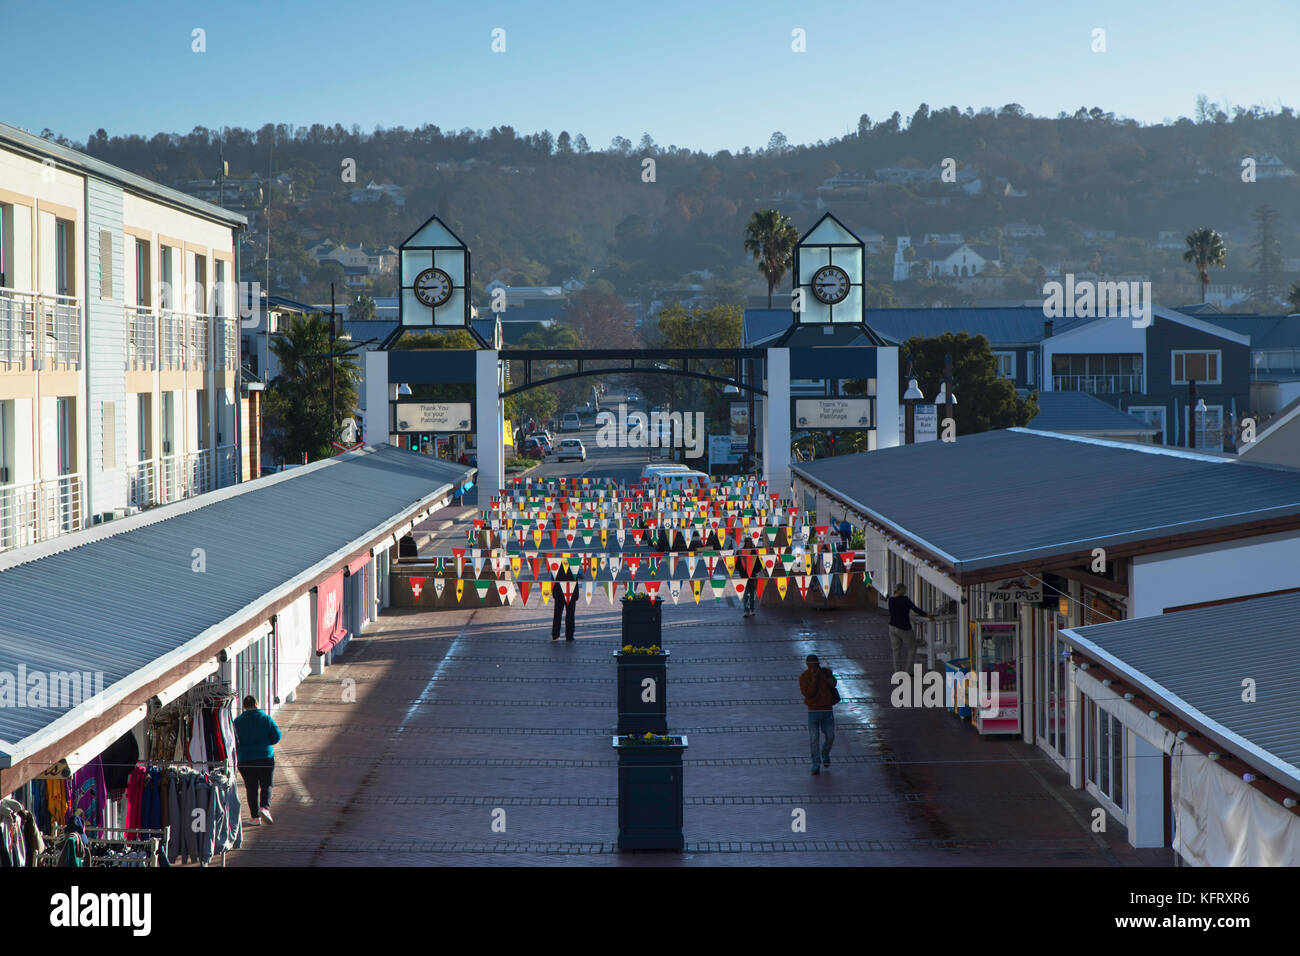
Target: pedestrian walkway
(435, 725)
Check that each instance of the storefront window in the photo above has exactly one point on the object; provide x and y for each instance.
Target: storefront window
(1106, 746)
(1051, 678)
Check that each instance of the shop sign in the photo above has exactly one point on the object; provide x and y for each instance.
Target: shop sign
(329, 613)
(433, 417)
(833, 413)
(740, 426)
(1022, 590)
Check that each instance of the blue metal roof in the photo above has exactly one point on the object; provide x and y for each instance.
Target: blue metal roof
(1195, 660)
(1265, 331)
(118, 602)
(1001, 325)
(1081, 412)
(1004, 497)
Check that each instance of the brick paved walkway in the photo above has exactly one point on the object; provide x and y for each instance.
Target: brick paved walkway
(457, 713)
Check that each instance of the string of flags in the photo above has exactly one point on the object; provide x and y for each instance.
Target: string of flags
(510, 590)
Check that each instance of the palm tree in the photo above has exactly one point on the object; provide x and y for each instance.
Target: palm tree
(770, 238)
(1205, 248)
(298, 399)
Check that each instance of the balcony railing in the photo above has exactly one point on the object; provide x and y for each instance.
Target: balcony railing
(185, 475)
(142, 484)
(141, 338)
(227, 330)
(39, 510)
(39, 331)
(227, 465)
(198, 341)
(1098, 384)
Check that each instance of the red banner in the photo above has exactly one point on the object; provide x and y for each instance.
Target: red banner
(329, 614)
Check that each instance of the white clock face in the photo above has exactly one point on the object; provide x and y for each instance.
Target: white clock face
(830, 284)
(433, 287)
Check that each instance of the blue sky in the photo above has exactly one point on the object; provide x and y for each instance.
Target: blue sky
(707, 75)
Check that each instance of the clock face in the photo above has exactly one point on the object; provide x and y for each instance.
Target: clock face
(830, 284)
(433, 287)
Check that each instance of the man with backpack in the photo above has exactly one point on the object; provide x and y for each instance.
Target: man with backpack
(817, 684)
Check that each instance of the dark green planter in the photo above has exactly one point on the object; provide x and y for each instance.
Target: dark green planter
(650, 795)
(635, 715)
(642, 623)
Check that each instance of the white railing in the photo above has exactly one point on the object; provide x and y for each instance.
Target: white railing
(227, 329)
(174, 486)
(1098, 384)
(141, 338)
(227, 465)
(39, 510)
(199, 468)
(142, 484)
(198, 341)
(39, 331)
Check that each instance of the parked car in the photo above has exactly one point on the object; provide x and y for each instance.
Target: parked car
(571, 448)
(534, 447)
(570, 422)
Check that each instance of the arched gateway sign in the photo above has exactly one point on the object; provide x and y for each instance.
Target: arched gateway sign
(828, 278)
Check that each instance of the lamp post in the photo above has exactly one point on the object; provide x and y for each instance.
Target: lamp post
(910, 398)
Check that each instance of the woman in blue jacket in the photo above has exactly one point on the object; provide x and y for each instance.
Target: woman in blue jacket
(256, 733)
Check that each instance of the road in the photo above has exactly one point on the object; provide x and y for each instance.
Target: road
(621, 464)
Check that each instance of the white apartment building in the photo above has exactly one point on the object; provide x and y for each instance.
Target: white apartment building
(119, 345)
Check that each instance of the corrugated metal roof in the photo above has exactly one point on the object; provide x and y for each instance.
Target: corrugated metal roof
(1000, 497)
(117, 602)
(88, 165)
(761, 325)
(1081, 412)
(1001, 326)
(1196, 661)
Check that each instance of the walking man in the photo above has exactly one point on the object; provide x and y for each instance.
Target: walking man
(562, 605)
(256, 733)
(817, 684)
(902, 639)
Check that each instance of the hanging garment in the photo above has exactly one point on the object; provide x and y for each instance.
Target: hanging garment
(90, 793)
(198, 751)
(119, 760)
(35, 842)
(135, 797)
(172, 790)
(40, 807)
(228, 732)
(202, 835)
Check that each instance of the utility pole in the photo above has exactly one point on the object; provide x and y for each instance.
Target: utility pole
(333, 419)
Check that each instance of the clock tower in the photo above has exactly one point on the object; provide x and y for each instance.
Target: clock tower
(829, 272)
(433, 279)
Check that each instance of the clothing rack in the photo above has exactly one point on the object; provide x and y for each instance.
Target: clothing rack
(152, 841)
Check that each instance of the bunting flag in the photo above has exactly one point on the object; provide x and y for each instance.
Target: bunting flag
(460, 560)
(729, 560)
(609, 591)
(535, 563)
(710, 559)
(482, 588)
(604, 535)
(738, 587)
(781, 584)
(613, 566)
(524, 588)
(633, 564)
(845, 578)
(537, 537)
(672, 565)
(417, 586)
(505, 591)
(675, 589)
(620, 536)
(696, 587)
(553, 564)
(515, 564)
(567, 587)
(691, 560)
(438, 585)
(825, 581)
(546, 592)
(636, 536)
(588, 588)
(595, 565)
(460, 589)
(802, 581)
(759, 584)
(652, 589)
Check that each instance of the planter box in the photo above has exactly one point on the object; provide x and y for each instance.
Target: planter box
(650, 795)
(642, 623)
(635, 714)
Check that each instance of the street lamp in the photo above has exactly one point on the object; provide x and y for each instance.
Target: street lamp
(910, 398)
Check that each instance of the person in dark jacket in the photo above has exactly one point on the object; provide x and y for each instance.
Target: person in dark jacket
(256, 733)
(751, 587)
(562, 605)
(902, 639)
(817, 684)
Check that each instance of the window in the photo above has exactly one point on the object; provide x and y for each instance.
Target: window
(1006, 364)
(1153, 415)
(62, 258)
(165, 277)
(141, 272)
(219, 289)
(6, 445)
(1030, 364)
(144, 421)
(1209, 428)
(1103, 374)
(1106, 753)
(1196, 366)
(6, 245)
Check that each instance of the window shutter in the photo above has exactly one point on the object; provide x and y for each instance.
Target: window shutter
(105, 264)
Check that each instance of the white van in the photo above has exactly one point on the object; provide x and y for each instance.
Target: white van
(677, 476)
(654, 470)
(570, 422)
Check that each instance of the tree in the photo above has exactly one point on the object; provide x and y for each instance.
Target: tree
(778, 143)
(1205, 248)
(580, 145)
(600, 320)
(562, 144)
(864, 125)
(1293, 296)
(770, 238)
(297, 410)
(362, 309)
(984, 401)
(1268, 256)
